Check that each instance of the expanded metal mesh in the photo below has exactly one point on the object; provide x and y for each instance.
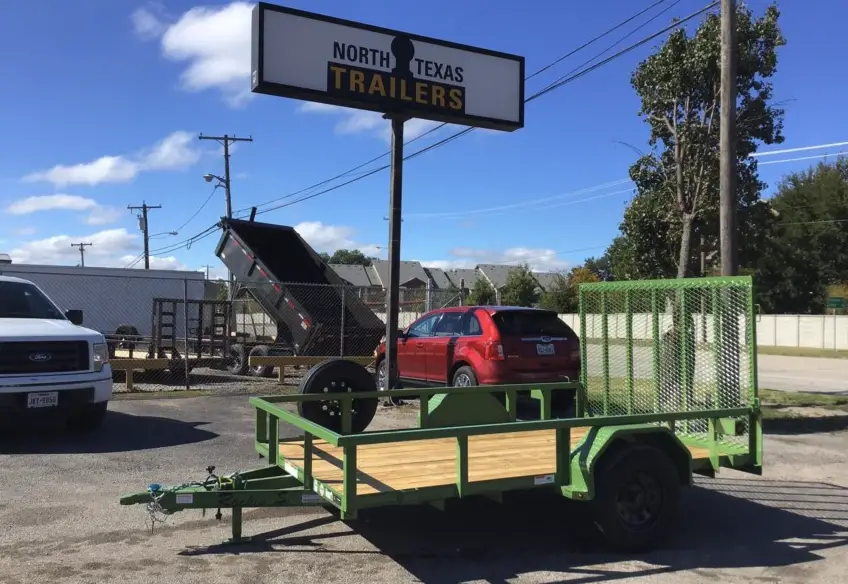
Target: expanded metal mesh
(666, 346)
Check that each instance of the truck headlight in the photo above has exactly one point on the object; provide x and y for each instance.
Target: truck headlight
(100, 356)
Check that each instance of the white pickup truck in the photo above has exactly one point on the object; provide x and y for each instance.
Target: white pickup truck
(49, 364)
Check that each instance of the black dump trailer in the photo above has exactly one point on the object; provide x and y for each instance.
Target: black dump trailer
(298, 290)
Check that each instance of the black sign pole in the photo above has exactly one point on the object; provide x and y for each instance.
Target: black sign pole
(393, 291)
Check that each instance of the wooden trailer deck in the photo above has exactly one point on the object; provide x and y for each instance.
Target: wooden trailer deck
(419, 464)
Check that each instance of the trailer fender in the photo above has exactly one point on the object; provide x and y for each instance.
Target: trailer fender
(603, 444)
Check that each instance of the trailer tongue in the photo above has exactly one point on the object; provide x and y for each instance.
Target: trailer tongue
(314, 312)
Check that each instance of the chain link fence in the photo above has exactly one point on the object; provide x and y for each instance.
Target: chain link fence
(171, 331)
(670, 346)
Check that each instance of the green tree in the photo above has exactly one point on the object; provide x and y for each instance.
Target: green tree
(601, 267)
(559, 296)
(676, 201)
(482, 293)
(348, 257)
(521, 288)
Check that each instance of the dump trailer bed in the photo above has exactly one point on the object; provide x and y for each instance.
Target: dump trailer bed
(298, 290)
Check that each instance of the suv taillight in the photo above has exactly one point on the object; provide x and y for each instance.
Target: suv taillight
(494, 351)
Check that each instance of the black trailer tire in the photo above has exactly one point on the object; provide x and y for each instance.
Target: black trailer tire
(337, 376)
(238, 355)
(128, 336)
(260, 370)
(177, 370)
(88, 420)
(637, 496)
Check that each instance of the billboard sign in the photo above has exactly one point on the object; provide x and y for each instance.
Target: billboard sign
(312, 57)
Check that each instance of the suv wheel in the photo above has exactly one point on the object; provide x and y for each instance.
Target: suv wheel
(464, 377)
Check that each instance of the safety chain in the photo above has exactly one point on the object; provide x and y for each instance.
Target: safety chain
(157, 514)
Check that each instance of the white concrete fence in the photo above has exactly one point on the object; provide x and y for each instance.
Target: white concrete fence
(773, 330)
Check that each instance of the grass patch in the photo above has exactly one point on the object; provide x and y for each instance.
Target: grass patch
(765, 350)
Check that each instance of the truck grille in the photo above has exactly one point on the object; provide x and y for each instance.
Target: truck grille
(44, 357)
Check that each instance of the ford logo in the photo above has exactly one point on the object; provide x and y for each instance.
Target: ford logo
(546, 339)
(40, 357)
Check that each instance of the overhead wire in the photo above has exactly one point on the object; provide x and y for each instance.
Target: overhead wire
(467, 130)
(551, 87)
(555, 85)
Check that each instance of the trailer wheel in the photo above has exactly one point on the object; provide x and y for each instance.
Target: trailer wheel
(260, 370)
(238, 355)
(636, 497)
(177, 370)
(128, 335)
(338, 376)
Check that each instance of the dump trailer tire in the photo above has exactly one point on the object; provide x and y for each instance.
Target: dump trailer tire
(260, 370)
(637, 495)
(128, 336)
(336, 376)
(239, 365)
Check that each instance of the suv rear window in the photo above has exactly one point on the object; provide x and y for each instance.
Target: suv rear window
(521, 323)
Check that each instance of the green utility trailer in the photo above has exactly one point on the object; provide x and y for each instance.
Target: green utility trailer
(668, 389)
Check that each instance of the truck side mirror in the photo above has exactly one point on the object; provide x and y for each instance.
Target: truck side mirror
(75, 316)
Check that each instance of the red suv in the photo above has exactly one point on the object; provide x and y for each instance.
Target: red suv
(485, 345)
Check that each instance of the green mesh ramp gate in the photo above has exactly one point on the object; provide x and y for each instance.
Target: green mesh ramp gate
(661, 346)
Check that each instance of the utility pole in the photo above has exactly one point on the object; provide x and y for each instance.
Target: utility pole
(82, 247)
(727, 141)
(144, 208)
(208, 267)
(225, 140)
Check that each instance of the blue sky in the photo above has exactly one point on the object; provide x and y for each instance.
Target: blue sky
(104, 101)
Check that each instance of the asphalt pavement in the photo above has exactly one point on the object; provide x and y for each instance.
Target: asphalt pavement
(60, 520)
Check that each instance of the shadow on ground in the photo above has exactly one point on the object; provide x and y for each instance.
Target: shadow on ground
(732, 523)
(120, 433)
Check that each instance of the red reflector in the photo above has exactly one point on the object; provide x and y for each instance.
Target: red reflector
(277, 287)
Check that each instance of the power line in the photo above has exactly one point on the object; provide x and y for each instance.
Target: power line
(442, 125)
(556, 85)
(801, 149)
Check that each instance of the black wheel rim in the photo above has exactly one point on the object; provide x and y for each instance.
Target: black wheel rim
(639, 502)
(332, 408)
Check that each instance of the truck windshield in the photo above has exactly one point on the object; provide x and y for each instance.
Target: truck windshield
(22, 300)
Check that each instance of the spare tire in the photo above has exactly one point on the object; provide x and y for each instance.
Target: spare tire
(338, 376)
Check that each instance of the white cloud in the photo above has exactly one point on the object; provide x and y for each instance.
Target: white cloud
(329, 238)
(174, 152)
(212, 42)
(103, 215)
(156, 263)
(539, 259)
(354, 121)
(98, 214)
(24, 231)
(57, 250)
(147, 25)
(50, 203)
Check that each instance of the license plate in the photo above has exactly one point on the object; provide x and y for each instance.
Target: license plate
(44, 399)
(545, 349)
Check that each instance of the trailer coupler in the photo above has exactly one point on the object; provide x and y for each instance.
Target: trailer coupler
(264, 487)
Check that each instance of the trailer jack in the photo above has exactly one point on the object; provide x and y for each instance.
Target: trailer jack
(268, 486)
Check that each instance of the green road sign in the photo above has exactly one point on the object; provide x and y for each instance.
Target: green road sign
(836, 302)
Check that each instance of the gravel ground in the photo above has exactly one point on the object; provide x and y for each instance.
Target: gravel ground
(60, 520)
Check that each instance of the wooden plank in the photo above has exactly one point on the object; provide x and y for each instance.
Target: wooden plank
(429, 463)
(289, 361)
(136, 364)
